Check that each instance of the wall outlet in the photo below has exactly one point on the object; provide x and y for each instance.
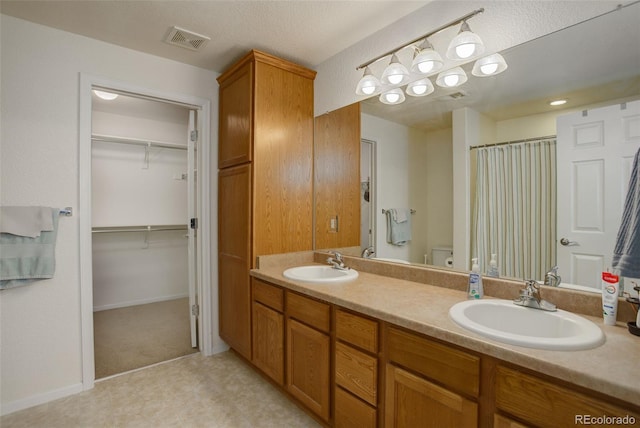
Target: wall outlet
(333, 224)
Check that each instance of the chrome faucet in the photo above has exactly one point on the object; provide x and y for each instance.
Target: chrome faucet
(368, 252)
(552, 278)
(530, 297)
(336, 262)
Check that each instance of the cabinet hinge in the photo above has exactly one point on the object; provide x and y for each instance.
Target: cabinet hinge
(194, 135)
(194, 223)
(195, 310)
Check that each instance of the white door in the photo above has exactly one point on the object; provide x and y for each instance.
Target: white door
(594, 152)
(192, 140)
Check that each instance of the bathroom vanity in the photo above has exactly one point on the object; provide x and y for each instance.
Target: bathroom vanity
(380, 351)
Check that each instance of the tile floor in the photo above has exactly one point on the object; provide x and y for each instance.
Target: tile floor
(194, 391)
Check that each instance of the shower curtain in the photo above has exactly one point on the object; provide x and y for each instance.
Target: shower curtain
(514, 213)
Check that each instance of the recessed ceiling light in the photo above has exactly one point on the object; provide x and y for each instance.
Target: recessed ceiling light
(105, 95)
(557, 102)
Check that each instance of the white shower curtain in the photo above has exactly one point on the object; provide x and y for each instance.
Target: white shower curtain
(514, 213)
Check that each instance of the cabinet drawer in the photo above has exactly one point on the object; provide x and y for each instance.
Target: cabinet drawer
(357, 372)
(546, 404)
(358, 331)
(351, 412)
(451, 367)
(311, 312)
(267, 294)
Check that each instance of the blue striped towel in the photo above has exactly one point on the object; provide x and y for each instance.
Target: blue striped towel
(626, 253)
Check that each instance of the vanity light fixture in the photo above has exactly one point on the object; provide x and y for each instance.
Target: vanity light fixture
(395, 73)
(466, 44)
(451, 78)
(427, 61)
(489, 65)
(394, 96)
(420, 88)
(369, 84)
(109, 96)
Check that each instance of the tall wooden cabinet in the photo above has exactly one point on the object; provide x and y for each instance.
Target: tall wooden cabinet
(265, 161)
(337, 178)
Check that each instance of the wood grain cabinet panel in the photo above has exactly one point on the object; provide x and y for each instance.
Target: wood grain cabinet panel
(351, 412)
(546, 404)
(234, 258)
(268, 341)
(267, 294)
(308, 367)
(412, 401)
(452, 367)
(265, 203)
(312, 312)
(337, 177)
(357, 372)
(357, 330)
(236, 118)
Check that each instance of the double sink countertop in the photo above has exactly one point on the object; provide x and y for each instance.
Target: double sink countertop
(415, 304)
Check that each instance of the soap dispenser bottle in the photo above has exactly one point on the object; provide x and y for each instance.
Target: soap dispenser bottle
(493, 267)
(475, 290)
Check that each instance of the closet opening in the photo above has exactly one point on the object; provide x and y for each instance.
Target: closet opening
(144, 205)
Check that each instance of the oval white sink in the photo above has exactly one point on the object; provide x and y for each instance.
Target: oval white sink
(506, 322)
(319, 274)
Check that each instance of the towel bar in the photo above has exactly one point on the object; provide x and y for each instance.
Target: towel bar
(412, 211)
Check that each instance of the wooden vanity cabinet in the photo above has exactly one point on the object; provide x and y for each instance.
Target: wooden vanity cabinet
(429, 384)
(543, 403)
(308, 355)
(265, 185)
(356, 370)
(268, 329)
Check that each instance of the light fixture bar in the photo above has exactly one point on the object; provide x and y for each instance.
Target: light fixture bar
(437, 30)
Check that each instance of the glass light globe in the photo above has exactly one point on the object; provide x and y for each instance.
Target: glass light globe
(420, 88)
(489, 68)
(394, 96)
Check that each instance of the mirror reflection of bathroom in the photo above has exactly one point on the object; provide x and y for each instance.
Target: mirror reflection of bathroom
(418, 153)
(143, 171)
(367, 195)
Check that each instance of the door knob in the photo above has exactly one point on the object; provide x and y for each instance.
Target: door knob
(565, 242)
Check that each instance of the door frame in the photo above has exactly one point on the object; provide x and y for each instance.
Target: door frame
(87, 82)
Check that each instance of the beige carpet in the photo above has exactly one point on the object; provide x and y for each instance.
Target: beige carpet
(138, 336)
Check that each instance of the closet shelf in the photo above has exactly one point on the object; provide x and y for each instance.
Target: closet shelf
(155, 228)
(136, 141)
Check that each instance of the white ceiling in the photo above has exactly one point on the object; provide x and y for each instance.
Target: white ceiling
(304, 31)
(310, 32)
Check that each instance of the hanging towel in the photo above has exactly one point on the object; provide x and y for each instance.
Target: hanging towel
(26, 221)
(398, 232)
(626, 253)
(24, 259)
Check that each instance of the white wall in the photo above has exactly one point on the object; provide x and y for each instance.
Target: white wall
(40, 68)
(134, 268)
(439, 189)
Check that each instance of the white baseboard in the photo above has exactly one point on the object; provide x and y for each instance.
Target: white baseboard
(38, 399)
(138, 302)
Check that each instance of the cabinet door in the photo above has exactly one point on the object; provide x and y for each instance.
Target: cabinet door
(235, 117)
(268, 341)
(308, 367)
(234, 258)
(412, 401)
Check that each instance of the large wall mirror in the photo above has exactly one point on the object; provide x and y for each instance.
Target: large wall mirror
(409, 150)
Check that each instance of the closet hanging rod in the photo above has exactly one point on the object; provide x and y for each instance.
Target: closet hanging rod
(158, 228)
(136, 141)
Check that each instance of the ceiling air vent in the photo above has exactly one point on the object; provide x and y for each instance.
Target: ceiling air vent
(186, 39)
